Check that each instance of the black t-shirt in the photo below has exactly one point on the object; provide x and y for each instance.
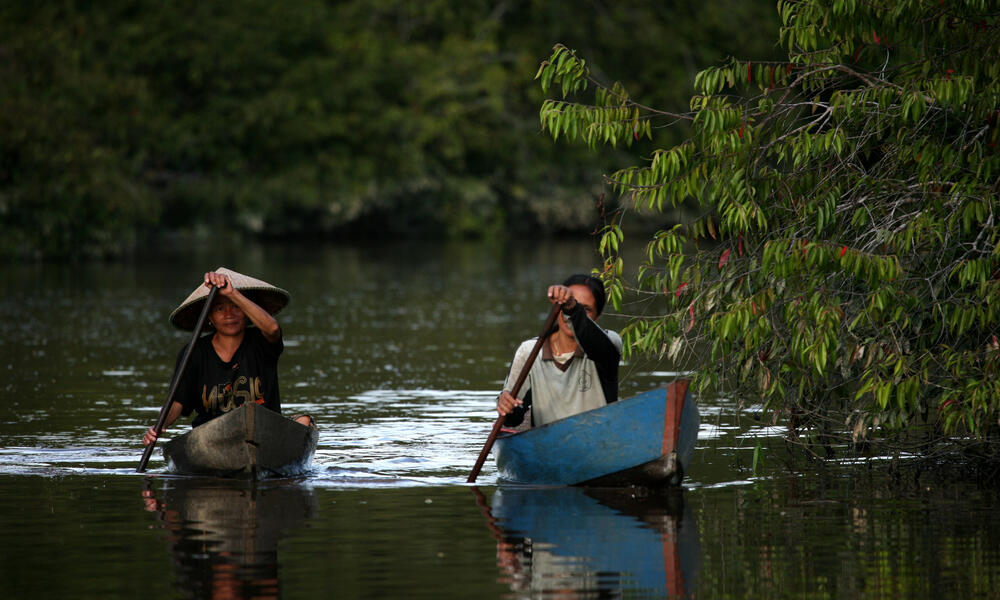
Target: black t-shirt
(212, 387)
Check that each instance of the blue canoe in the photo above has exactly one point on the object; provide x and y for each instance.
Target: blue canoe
(647, 440)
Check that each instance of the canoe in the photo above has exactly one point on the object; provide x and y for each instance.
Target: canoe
(250, 442)
(647, 440)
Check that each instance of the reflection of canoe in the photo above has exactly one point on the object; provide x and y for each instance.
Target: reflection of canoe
(236, 517)
(645, 440)
(249, 442)
(596, 541)
(224, 534)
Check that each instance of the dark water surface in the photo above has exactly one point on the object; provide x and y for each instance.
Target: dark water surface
(398, 351)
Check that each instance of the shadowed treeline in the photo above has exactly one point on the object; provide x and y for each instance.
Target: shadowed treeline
(122, 119)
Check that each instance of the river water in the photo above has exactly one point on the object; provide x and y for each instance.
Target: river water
(398, 351)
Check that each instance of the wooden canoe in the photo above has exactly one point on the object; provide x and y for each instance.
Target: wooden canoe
(249, 442)
(647, 440)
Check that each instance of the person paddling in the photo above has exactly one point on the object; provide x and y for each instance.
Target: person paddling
(238, 361)
(578, 370)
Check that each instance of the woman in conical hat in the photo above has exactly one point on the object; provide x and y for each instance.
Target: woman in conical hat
(238, 361)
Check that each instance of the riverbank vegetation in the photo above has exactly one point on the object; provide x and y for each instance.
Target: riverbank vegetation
(124, 119)
(843, 265)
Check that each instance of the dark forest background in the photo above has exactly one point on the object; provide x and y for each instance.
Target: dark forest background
(123, 120)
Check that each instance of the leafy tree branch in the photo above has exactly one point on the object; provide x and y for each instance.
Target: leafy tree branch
(842, 264)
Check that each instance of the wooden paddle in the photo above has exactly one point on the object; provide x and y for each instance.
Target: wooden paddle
(546, 330)
(161, 420)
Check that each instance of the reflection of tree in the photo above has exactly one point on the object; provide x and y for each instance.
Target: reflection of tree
(846, 534)
(600, 543)
(224, 534)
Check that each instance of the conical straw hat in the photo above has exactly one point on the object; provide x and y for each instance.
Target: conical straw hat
(270, 298)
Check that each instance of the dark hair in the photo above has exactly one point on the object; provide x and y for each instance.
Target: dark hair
(595, 285)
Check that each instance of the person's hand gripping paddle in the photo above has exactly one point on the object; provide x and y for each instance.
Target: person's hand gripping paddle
(162, 419)
(546, 330)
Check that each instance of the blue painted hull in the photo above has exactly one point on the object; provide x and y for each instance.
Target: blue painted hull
(629, 442)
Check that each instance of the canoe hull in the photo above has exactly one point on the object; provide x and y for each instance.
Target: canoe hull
(250, 442)
(645, 440)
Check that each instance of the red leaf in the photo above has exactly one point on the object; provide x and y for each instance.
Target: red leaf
(677, 294)
(690, 324)
(724, 258)
(748, 71)
(843, 251)
(739, 246)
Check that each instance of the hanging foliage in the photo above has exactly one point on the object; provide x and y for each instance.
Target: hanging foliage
(844, 263)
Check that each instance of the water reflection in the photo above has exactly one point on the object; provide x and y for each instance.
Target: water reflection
(224, 535)
(395, 352)
(581, 542)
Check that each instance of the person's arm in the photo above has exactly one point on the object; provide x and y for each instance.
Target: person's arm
(596, 343)
(262, 319)
(600, 346)
(515, 408)
(182, 404)
(175, 411)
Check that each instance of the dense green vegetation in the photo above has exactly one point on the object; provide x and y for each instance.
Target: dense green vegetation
(844, 262)
(123, 118)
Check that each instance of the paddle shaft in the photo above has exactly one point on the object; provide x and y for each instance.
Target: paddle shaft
(546, 330)
(162, 419)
